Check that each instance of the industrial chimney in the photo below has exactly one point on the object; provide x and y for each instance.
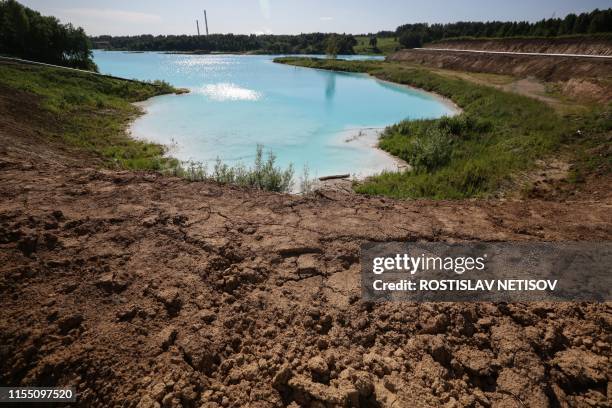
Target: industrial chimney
(206, 22)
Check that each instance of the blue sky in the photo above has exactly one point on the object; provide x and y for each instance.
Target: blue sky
(118, 17)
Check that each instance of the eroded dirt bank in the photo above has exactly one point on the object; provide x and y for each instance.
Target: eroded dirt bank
(142, 290)
(596, 45)
(583, 78)
(544, 68)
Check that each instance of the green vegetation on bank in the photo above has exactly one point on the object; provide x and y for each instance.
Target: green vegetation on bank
(478, 152)
(25, 33)
(88, 111)
(91, 113)
(263, 175)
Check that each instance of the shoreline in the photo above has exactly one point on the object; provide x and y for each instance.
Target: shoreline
(359, 137)
(365, 138)
(448, 102)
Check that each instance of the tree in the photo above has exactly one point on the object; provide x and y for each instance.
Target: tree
(25, 33)
(411, 40)
(373, 42)
(333, 46)
(597, 21)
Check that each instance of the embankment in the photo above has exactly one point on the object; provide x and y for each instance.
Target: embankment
(588, 45)
(546, 68)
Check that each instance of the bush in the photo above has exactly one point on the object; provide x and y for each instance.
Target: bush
(264, 175)
(430, 151)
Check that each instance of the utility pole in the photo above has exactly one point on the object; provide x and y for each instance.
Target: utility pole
(198, 26)
(206, 22)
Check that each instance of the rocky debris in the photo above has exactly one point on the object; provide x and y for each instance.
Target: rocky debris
(166, 337)
(70, 322)
(110, 284)
(171, 299)
(127, 314)
(282, 376)
(361, 380)
(200, 353)
(308, 393)
(435, 325)
(583, 368)
(476, 362)
(318, 368)
(307, 265)
(207, 316)
(439, 350)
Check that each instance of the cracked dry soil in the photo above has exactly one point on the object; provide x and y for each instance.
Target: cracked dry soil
(143, 290)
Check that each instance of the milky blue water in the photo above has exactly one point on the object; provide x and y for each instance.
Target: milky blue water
(305, 116)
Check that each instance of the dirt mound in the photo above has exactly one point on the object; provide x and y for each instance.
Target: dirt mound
(142, 290)
(545, 68)
(596, 45)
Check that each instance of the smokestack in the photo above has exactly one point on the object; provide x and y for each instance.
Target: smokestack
(198, 26)
(206, 22)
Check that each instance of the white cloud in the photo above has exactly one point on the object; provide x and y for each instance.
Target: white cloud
(326, 18)
(110, 16)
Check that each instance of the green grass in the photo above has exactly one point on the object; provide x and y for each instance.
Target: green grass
(498, 135)
(386, 46)
(89, 112)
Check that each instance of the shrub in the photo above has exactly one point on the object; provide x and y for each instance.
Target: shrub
(430, 150)
(264, 174)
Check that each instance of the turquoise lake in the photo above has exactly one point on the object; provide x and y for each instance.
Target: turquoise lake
(327, 121)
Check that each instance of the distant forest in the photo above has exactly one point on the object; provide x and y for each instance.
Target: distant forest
(409, 35)
(597, 21)
(25, 33)
(315, 43)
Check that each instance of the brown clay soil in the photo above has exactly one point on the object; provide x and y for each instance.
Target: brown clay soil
(595, 45)
(587, 78)
(145, 290)
(549, 68)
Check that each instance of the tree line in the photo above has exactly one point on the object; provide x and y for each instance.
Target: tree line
(313, 43)
(597, 21)
(25, 33)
